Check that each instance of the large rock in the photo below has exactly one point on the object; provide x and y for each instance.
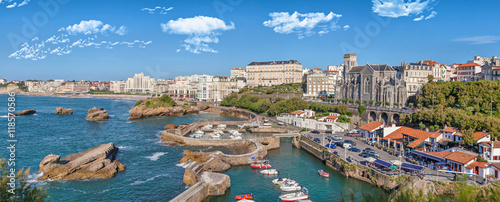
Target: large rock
(141, 111)
(25, 112)
(62, 110)
(217, 183)
(98, 162)
(170, 126)
(97, 113)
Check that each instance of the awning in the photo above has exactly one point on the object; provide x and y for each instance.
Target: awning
(426, 155)
(408, 166)
(382, 163)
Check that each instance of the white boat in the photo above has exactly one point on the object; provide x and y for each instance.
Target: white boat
(234, 132)
(269, 172)
(215, 135)
(207, 127)
(235, 137)
(290, 186)
(246, 200)
(280, 181)
(221, 126)
(300, 195)
(199, 132)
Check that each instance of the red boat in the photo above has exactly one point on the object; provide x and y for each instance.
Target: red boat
(261, 165)
(323, 173)
(244, 196)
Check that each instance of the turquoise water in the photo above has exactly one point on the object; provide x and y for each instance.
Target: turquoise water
(152, 174)
(300, 166)
(146, 179)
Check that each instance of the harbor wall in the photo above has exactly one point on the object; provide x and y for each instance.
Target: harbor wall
(352, 169)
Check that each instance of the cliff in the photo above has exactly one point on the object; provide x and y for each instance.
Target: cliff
(98, 162)
(97, 114)
(162, 106)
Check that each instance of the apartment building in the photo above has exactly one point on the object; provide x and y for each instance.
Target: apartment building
(274, 73)
(222, 86)
(117, 86)
(468, 72)
(322, 84)
(140, 84)
(238, 72)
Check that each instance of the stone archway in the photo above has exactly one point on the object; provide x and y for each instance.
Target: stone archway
(372, 116)
(384, 118)
(396, 118)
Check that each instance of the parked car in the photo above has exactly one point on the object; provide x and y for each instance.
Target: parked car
(414, 109)
(354, 149)
(336, 137)
(346, 145)
(350, 142)
(317, 140)
(368, 149)
(332, 146)
(373, 156)
(315, 132)
(373, 153)
(363, 154)
(329, 138)
(281, 123)
(339, 143)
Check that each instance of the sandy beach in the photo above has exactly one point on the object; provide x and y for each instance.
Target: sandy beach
(115, 96)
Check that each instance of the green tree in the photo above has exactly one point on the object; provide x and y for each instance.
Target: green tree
(468, 136)
(269, 91)
(387, 104)
(351, 100)
(410, 105)
(379, 103)
(364, 101)
(24, 190)
(371, 102)
(421, 126)
(358, 101)
(430, 78)
(361, 109)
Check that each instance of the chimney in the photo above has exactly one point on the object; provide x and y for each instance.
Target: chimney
(445, 126)
(393, 124)
(426, 129)
(484, 131)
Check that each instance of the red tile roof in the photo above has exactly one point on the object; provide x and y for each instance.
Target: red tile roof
(435, 134)
(318, 69)
(331, 71)
(496, 165)
(332, 117)
(479, 135)
(477, 164)
(496, 68)
(430, 62)
(297, 112)
(371, 126)
(440, 154)
(470, 65)
(416, 143)
(460, 157)
(237, 69)
(450, 130)
(496, 144)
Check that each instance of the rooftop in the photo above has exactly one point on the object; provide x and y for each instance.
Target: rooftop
(477, 164)
(460, 157)
(479, 135)
(470, 65)
(275, 63)
(450, 130)
(371, 126)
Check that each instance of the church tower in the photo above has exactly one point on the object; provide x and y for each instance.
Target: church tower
(349, 62)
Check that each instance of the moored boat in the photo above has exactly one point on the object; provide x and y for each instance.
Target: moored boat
(290, 186)
(269, 172)
(261, 165)
(300, 195)
(280, 181)
(323, 173)
(244, 197)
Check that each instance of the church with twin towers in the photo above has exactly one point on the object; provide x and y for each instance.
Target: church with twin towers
(371, 82)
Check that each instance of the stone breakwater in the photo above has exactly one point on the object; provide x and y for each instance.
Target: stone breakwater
(201, 173)
(98, 162)
(141, 111)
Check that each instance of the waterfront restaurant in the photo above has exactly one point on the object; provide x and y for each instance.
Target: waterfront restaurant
(368, 130)
(458, 161)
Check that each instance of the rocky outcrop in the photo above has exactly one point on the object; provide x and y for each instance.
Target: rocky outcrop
(97, 113)
(26, 112)
(62, 110)
(217, 183)
(98, 162)
(170, 126)
(141, 111)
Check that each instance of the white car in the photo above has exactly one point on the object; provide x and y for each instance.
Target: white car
(346, 145)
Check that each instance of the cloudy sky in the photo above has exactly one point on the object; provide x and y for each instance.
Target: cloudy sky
(113, 39)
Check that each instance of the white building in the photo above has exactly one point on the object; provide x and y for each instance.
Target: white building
(368, 131)
(140, 84)
(238, 72)
(468, 72)
(313, 124)
(322, 84)
(117, 86)
(204, 87)
(274, 73)
(3, 81)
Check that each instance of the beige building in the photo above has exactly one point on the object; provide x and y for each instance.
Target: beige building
(274, 73)
(140, 84)
(322, 84)
(238, 72)
(222, 86)
(415, 75)
(117, 86)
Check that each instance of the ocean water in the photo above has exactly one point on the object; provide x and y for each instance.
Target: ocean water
(152, 172)
(151, 175)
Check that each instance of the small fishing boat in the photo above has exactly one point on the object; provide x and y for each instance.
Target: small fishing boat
(234, 132)
(290, 186)
(215, 135)
(244, 197)
(221, 126)
(280, 181)
(300, 195)
(207, 127)
(323, 173)
(261, 165)
(235, 137)
(269, 172)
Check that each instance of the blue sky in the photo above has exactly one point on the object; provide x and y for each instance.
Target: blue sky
(135, 37)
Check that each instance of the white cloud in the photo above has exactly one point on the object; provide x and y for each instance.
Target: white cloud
(201, 31)
(403, 8)
(92, 27)
(64, 44)
(433, 14)
(302, 24)
(161, 10)
(419, 18)
(346, 27)
(14, 3)
(480, 39)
